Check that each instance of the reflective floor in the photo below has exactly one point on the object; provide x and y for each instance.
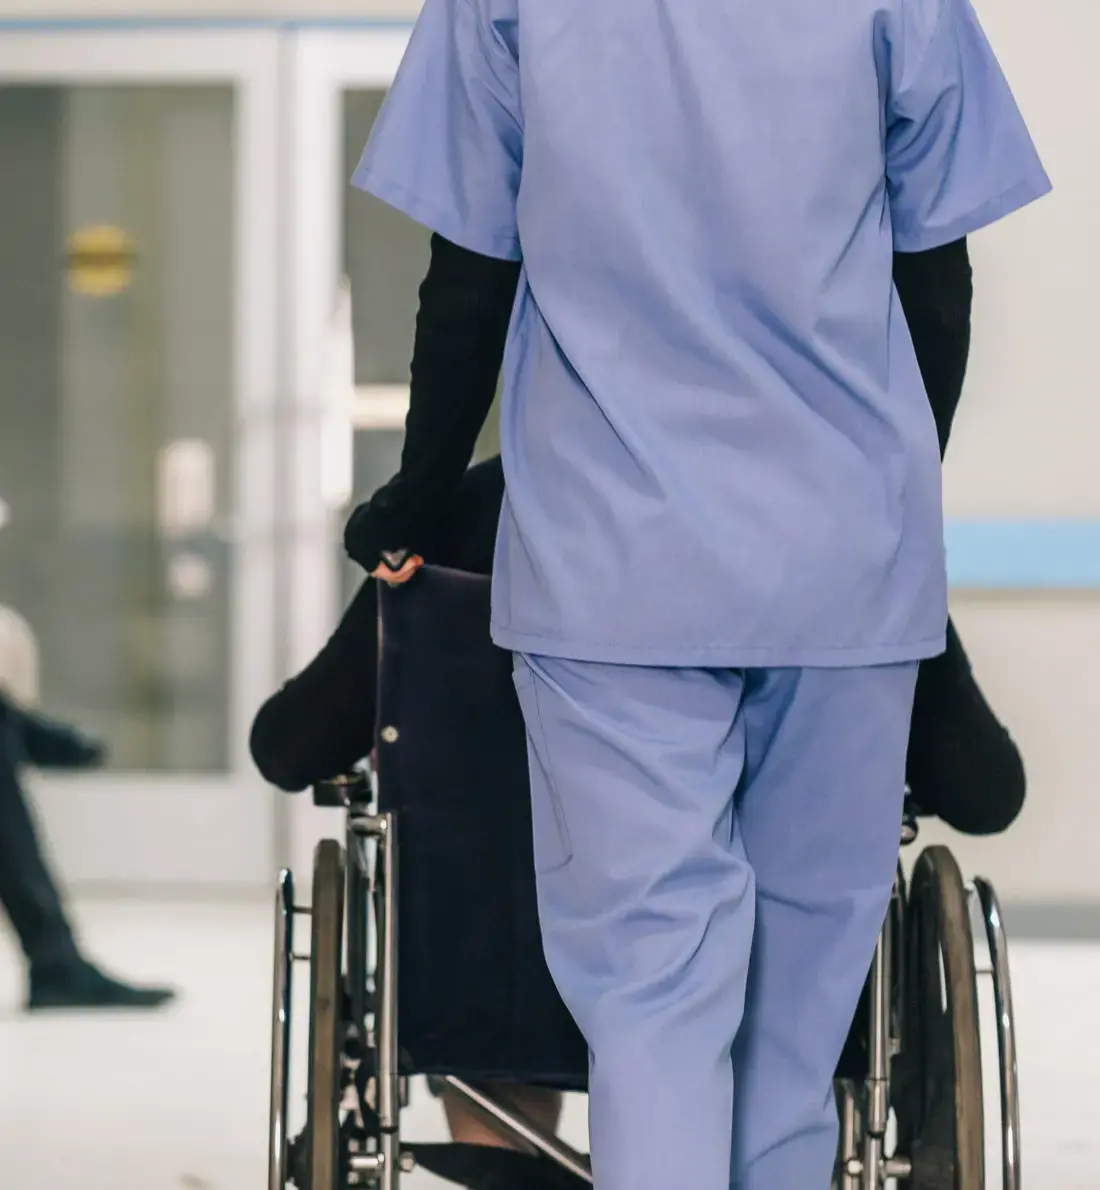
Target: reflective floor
(179, 1101)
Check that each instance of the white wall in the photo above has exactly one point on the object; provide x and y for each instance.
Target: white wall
(1028, 437)
(1027, 444)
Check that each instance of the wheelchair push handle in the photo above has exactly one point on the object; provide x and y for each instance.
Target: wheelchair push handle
(348, 789)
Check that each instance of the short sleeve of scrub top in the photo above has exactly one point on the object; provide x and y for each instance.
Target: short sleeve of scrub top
(958, 153)
(447, 148)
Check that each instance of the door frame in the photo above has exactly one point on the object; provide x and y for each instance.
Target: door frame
(179, 830)
(323, 62)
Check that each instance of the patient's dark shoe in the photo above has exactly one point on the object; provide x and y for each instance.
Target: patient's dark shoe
(962, 766)
(79, 984)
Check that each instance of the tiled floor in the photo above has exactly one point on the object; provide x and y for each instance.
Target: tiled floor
(179, 1101)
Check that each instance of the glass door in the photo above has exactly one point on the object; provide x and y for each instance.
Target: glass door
(356, 269)
(138, 397)
(356, 266)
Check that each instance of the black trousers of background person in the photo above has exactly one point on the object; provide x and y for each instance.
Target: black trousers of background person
(28, 892)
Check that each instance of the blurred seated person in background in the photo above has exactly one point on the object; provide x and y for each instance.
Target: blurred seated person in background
(962, 764)
(60, 976)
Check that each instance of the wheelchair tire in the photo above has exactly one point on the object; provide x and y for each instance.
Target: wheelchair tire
(998, 1035)
(326, 1019)
(939, 1093)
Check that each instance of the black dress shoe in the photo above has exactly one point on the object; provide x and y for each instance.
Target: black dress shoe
(81, 985)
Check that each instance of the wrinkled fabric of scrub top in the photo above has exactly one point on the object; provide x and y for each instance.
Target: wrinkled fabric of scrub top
(708, 372)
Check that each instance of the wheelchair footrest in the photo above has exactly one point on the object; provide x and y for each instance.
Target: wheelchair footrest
(480, 1167)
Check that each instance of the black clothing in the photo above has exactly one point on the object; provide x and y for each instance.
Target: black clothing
(466, 303)
(60, 977)
(27, 890)
(937, 292)
(321, 723)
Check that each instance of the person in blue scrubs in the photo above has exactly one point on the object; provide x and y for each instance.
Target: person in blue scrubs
(708, 378)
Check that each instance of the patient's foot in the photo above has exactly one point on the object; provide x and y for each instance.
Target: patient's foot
(962, 766)
(79, 985)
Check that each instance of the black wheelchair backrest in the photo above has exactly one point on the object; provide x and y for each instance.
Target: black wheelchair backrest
(475, 995)
(449, 727)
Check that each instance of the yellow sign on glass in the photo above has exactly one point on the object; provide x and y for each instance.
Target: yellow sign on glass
(99, 261)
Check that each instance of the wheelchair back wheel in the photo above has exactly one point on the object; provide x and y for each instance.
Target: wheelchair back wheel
(938, 1098)
(326, 1024)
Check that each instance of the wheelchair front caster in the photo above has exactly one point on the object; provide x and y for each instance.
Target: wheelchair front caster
(317, 1158)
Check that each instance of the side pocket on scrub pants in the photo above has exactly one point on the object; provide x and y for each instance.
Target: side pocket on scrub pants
(553, 849)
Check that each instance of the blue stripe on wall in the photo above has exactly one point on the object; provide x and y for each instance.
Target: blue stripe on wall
(1059, 555)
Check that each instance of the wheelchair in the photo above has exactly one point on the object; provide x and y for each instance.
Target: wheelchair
(425, 956)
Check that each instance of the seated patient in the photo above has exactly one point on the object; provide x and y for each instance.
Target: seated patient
(963, 766)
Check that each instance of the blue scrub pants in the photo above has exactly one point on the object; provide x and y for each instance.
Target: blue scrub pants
(715, 852)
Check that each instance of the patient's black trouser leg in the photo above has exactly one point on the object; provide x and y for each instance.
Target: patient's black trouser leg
(321, 723)
(963, 766)
(27, 890)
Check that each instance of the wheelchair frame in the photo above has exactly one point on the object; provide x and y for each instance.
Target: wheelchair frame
(366, 882)
(365, 1147)
(865, 1111)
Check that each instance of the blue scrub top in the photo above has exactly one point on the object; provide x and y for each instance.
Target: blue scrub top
(717, 445)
